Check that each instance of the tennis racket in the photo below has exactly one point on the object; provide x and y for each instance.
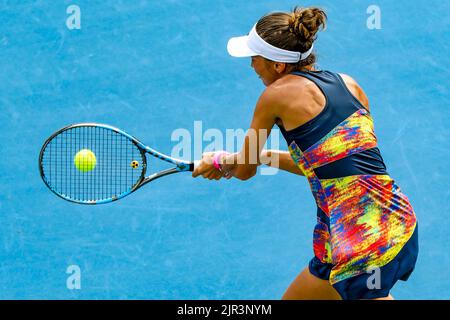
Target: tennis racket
(91, 163)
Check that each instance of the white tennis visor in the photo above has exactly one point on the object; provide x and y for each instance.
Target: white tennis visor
(253, 45)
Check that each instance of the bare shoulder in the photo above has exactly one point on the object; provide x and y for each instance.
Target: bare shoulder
(355, 89)
(289, 87)
(268, 103)
(277, 97)
(269, 99)
(276, 94)
(296, 100)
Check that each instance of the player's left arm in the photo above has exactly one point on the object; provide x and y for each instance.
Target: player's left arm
(356, 90)
(243, 165)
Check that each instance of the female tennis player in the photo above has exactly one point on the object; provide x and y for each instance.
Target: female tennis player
(365, 239)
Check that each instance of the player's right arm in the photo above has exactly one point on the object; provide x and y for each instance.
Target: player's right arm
(281, 160)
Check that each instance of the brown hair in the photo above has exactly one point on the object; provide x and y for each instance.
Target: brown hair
(294, 31)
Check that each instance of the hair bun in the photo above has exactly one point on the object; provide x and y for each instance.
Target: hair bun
(306, 22)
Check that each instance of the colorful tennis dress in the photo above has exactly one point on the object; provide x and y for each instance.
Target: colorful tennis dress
(364, 221)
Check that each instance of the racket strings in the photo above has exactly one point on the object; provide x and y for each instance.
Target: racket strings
(109, 176)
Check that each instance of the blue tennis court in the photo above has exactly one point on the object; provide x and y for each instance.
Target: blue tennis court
(153, 68)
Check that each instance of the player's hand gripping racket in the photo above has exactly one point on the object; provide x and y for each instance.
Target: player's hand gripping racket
(91, 163)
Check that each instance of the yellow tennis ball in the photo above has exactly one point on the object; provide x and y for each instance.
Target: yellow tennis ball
(85, 160)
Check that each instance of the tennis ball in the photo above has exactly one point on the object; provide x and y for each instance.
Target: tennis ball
(85, 160)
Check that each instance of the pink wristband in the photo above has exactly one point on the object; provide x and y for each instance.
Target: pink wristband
(216, 158)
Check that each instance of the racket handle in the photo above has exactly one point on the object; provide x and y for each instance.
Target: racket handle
(194, 165)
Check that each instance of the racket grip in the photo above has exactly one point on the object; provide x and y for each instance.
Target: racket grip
(194, 165)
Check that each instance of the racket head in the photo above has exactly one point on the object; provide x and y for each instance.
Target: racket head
(117, 169)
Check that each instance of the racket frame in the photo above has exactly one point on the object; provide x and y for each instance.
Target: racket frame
(180, 165)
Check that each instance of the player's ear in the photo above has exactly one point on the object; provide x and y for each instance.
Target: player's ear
(279, 67)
